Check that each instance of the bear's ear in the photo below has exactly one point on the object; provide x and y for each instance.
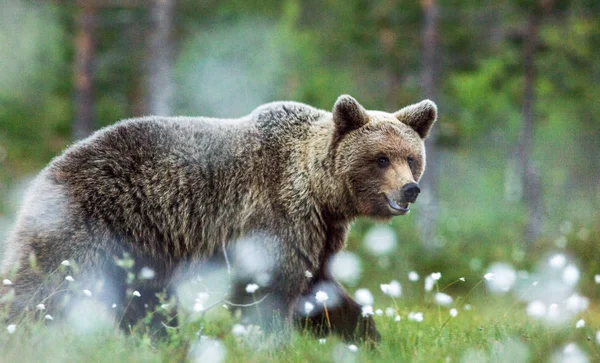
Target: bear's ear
(420, 116)
(348, 115)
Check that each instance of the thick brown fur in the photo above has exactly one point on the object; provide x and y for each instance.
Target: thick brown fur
(173, 191)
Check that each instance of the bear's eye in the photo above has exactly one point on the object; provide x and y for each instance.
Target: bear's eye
(410, 161)
(383, 161)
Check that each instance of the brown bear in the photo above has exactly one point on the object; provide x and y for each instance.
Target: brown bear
(177, 191)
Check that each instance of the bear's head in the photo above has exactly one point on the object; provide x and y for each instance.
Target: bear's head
(381, 156)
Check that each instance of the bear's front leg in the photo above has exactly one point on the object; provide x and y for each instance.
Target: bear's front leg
(271, 307)
(339, 314)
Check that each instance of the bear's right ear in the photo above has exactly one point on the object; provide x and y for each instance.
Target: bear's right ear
(348, 115)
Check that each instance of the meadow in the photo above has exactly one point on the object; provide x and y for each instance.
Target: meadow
(505, 316)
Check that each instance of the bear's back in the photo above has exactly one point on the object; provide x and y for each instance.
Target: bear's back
(168, 183)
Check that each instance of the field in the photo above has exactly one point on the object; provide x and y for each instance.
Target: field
(487, 304)
(484, 328)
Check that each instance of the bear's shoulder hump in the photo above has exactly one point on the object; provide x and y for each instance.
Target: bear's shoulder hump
(282, 114)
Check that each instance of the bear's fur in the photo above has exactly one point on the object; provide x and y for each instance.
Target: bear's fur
(175, 191)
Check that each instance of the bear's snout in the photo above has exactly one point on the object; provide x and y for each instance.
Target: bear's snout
(410, 192)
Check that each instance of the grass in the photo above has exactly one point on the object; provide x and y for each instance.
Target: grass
(494, 330)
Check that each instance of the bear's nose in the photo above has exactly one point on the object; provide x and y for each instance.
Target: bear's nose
(410, 192)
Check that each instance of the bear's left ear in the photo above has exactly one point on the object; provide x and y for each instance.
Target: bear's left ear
(420, 116)
(348, 115)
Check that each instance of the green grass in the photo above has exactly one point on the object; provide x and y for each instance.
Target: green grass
(494, 330)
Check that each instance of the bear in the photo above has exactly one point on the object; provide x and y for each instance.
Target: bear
(176, 193)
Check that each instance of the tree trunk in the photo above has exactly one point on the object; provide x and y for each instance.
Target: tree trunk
(85, 52)
(136, 92)
(530, 176)
(160, 84)
(429, 182)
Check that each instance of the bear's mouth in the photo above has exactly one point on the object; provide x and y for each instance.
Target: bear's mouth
(399, 208)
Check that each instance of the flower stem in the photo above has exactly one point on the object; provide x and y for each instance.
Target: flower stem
(125, 311)
(327, 317)
(462, 303)
(257, 309)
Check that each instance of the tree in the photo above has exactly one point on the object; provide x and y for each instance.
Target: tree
(530, 176)
(531, 184)
(160, 83)
(429, 182)
(85, 53)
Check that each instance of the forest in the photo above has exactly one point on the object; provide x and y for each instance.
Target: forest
(509, 215)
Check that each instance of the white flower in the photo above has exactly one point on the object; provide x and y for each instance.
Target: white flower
(69, 278)
(201, 297)
(467, 307)
(418, 317)
(364, 297)
(397, 318)
(453, 312)
(380, 240)
(536, 309)
(251, 288)
(238, 330)
(87, 293)
(393, 289)
(413, 276)
(136, 293)
(308, 274)
(462, 279)
(598, 337)
(379, 312)
(367, 311)
(308, 307)
(571, 275)
(554, 313)
(114, 306)
(48, 317)
(488, 276)
(503, 278)
(353, 348)
(570, 353)
(66, 263)
(321, 296)
(40, 307)
(164, 306)
(345, 266)
(390, 312)
(443, 299)
(596, 279)
(557, 261)
(11, 328)
(146, 273)
(429, 281)
(6, 282)
(577, 303)
(322, 341)
(580, 324)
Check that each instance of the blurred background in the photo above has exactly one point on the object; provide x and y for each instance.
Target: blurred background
(513, 165)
